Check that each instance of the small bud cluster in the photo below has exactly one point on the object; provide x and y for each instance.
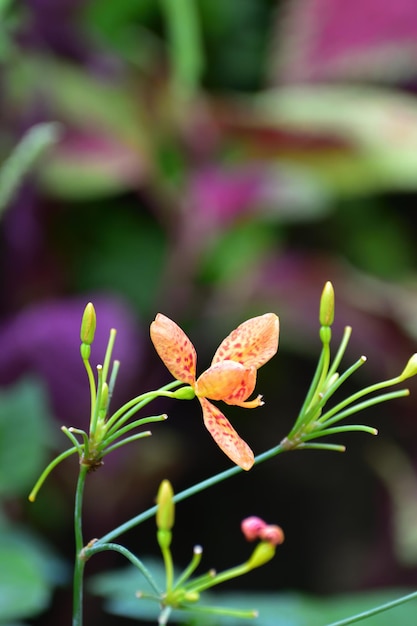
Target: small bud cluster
(255, 528)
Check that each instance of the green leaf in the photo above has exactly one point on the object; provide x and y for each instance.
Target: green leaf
(25, 436)
(22, 159)
(28, 574)
(275, 609)
(186, 50)
(376, 126)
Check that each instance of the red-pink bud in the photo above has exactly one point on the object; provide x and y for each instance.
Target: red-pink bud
(252, 526)
(272, 534)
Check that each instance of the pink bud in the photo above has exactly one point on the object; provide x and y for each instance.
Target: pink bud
(272, 534)
(252, 526)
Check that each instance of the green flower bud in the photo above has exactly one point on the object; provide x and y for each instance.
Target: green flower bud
(88, 325)
(185, 393)
(327, 305)
(165, 512)
(410, 369)
(263, 553)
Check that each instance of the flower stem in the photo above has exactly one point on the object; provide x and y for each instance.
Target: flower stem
(379, 609)
(186, 493)
(77, 618)
(48, 470)
(131, 557)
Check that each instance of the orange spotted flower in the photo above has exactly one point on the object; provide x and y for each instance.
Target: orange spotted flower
(231, 376)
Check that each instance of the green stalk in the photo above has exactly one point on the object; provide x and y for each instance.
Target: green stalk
(119, 444)
(123, 414)
(186, 493)
(80, 559)
(341, 351)
(190, 569)
(109, 351)
(48, 470)
(309, 397)
(115, 547)
(333, 416)
(92, 385)
(122, 431)
(96, 408)
(379, 609)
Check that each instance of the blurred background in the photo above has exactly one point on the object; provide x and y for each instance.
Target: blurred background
(212, 161)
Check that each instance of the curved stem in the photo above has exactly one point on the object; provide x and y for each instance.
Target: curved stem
(186, 493)
(123, 414)
(49, 469)
(80, 560)
(115, 547)
(332, 416)
(92, 384)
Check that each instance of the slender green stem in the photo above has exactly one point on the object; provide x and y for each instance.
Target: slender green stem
(123, 442)
(169, 568)
(141, 422)
(186, 493)
(324, 371)
(341, 351)
(310, 394)
(219, 610)
(379, 609)
(96, 408)
(92, 384)
(47, 470)
(190, 569)
(102, 547)
(109, 352)
(315, 434)
(81, 448)
(113, 377)
(333, 388)
(80, 560)
(332, 447)
(333, 416)
(233, 572)
(123, 414)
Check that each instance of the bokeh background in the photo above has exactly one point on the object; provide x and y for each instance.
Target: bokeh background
(210, 160)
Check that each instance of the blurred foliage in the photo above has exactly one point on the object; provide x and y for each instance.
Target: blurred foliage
(119, 588)
(211, 160)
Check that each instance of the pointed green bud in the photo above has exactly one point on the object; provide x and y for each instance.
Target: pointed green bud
(88, 325)
(165, 512)
(263, 553)
(327, 305)
(410, 369)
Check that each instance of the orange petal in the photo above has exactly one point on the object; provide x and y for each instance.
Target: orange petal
(225, 436)
(252, 343)
(228, 381)
(174, 348)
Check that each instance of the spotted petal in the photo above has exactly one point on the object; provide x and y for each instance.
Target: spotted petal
(228, 381)
(174, 348)
(252, 343)
(225, 436)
